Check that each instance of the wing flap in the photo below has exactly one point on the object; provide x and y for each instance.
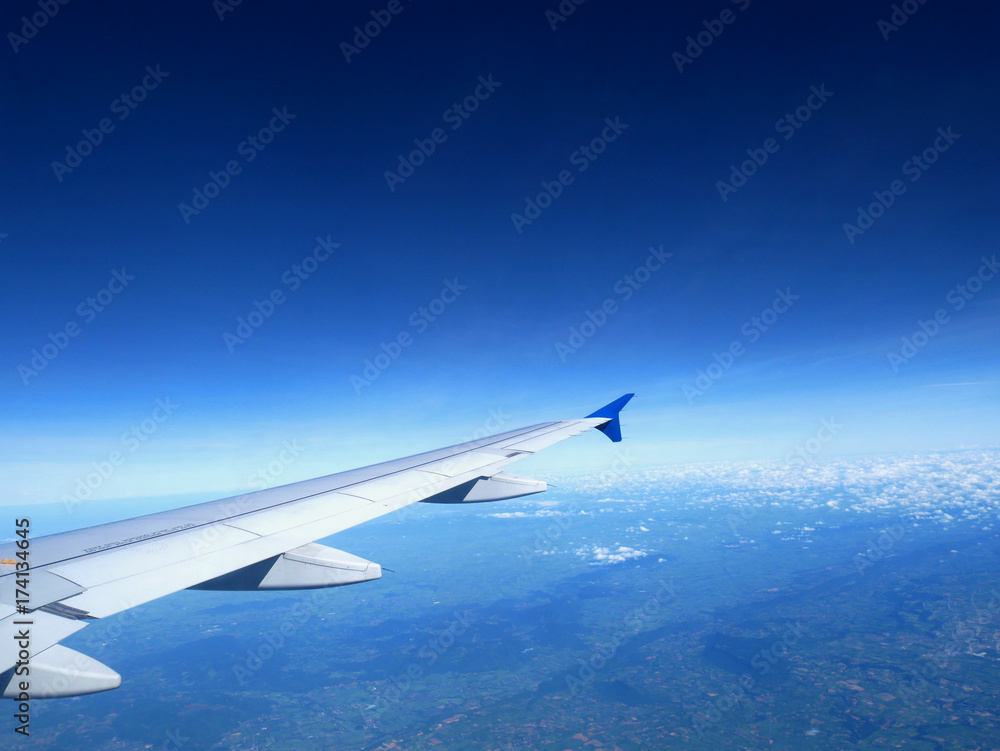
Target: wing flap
(44, 586)
(44, 630)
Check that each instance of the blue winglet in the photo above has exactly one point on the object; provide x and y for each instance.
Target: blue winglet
(612, 429)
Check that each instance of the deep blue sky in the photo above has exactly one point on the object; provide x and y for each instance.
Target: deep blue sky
(495, 346)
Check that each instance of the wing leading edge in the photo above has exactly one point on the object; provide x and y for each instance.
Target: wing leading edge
(261, 540)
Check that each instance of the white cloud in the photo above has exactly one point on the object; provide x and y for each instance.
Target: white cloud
(609, 555)
(527, 515)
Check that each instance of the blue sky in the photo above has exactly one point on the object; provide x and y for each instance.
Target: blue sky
(742, 316)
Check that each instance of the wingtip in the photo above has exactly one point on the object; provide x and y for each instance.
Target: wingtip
(612, 409)
(612, 428)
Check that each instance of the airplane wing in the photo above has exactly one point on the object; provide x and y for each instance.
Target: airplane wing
(54, 585)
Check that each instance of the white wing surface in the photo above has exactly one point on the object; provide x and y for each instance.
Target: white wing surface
(52, 586)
